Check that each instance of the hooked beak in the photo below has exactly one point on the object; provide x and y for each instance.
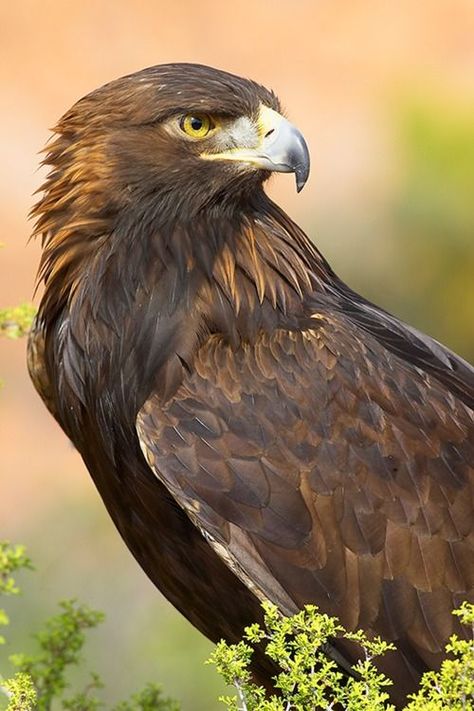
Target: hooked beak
(280, 147)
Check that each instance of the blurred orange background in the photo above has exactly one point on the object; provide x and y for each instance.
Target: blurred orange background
(384, 93)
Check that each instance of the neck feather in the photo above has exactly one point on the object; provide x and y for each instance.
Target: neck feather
(250, 260)
(139, 299)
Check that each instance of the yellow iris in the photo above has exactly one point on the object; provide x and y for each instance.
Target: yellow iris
(196, 125)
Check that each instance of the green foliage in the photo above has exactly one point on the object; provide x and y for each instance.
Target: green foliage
(60, 645)
(16, 321)
(12, 559)
(453, 686)
(85, 700)
(41, 679)
(309, 678)
(21, 692)
(150, 699)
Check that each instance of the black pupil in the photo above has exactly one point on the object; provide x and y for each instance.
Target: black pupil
(196, 123)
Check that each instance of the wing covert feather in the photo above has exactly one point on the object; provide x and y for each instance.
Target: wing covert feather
(346, 471)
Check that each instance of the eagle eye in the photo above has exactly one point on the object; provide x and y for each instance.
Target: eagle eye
(196, 125)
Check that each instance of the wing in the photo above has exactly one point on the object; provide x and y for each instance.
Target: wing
(324, 468)
(405, 341)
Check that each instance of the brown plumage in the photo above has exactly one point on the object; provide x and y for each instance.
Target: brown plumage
(255, 429)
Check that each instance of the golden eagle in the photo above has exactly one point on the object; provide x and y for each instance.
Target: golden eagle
(254, 427)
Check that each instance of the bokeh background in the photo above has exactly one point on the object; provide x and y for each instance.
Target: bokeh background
(383, 91)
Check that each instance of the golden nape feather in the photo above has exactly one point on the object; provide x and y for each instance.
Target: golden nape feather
(255, 429)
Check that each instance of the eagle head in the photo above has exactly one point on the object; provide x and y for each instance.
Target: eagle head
(183, 137)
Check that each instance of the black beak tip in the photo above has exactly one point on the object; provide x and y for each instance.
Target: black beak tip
(301, 176)
(301, 163)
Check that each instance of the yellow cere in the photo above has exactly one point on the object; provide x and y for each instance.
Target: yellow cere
(268, 120)
(196, 125)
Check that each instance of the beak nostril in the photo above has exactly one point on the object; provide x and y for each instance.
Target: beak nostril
(269, 133)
